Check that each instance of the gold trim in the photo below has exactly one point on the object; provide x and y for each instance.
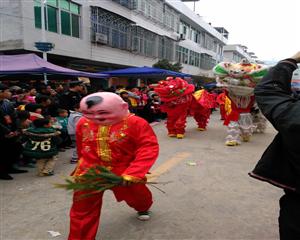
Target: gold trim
(103, 148)
(134, 179)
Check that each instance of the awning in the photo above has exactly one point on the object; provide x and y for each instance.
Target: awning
(33, 64)
(144, 72)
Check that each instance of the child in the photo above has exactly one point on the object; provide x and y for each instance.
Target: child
(62, 120)
(42, 145)
(35, 111)
(155, 107)
(72, 122)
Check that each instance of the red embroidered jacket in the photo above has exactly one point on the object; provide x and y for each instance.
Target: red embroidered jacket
(128, 148)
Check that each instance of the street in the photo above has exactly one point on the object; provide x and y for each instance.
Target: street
(209, 195)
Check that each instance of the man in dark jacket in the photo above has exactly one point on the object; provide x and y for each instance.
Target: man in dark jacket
(10, 146)
(71, 97)
(280, 163)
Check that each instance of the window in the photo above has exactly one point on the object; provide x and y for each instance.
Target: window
(74, 8)
(207, 62)
(65, 23)
(64, 4)
(70, 18)
(75, 26)
(50, 15)
(194, 59)
(68, 11)
(37, 14)
(182, 54)
(114, 28)
(131, 4)
(51, 19)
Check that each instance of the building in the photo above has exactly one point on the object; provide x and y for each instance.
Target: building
(236, 52)
(102, 35)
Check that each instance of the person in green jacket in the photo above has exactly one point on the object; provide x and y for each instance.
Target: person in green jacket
(42, 145)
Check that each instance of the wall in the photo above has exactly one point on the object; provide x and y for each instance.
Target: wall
(10, 25)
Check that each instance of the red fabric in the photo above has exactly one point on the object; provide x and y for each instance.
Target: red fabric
(221, 98)
(222, 111)
(172, 89)
(132, 144)
(176, 120)
(201, 113)
(85, 213)
(202, 116)
(177, 112)
(207, 100)
(130, 148)
(234, 115)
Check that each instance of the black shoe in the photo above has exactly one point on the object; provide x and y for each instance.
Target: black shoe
(5, 176)
(15, 170)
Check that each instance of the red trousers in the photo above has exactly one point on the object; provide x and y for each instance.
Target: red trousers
(222, 111)
(176, 120)
(201, 115)
(85, 213)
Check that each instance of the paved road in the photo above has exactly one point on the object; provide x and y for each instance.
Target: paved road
(214, 200)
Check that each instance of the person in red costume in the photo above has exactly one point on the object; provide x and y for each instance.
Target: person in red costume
(221, 101)
(201, 106)
(176, 97)
(108, 135)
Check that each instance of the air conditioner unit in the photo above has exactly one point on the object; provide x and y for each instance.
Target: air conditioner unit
(101, 38)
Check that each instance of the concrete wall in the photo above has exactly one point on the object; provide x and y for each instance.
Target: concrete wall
(11, 30)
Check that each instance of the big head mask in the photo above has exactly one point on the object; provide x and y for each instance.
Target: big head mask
(104, 108)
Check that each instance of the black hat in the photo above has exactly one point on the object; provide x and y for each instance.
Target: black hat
(75, 83)
(32, 107)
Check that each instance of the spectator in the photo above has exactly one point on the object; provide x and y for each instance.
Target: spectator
(10, 146)
(42, 145)
(72, 122)
(35, 111)
(125, 96)
(30, 95)
(72, 96)
(62, 120)
(280, 163)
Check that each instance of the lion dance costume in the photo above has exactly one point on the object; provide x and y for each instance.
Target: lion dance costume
(239, 80)
(179, 100)
(108, 135)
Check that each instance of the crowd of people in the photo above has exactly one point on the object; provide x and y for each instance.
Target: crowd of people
(35, 117)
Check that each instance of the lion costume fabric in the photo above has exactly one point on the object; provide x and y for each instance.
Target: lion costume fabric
(179, 100)
(239, 80)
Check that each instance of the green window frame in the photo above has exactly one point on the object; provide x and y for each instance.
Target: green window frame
(51, 19)
(37, 14)
(64, 4)
(52, 3)
(65, 23)
(68, 11)
(74, 8)
(75, 26)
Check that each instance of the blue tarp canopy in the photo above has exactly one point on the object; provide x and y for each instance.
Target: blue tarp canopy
(33, 64)
(144, 72)
(210, 85)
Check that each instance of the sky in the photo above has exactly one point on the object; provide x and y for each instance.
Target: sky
(269, 28)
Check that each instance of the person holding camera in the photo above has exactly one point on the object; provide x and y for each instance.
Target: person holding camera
(280, 163)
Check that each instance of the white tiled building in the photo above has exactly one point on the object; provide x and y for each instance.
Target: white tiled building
(108, 34)
(236, 52)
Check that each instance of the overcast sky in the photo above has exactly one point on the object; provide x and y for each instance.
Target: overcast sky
(269, 28)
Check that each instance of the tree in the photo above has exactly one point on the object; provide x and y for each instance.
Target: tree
(165, 64)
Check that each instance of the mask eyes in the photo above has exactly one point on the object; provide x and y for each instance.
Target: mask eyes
(95, 113)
